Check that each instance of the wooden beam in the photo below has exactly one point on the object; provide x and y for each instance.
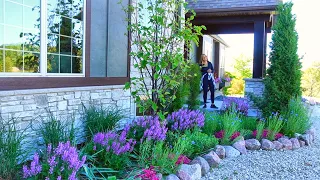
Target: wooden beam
(230, 19)
(259, 45)
(240, 28)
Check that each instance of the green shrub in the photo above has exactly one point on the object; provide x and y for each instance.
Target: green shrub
(296, 117)
(248, 123)
(181, 94)
(165, 157)
(11, 150)
(212, 123)
(274, 125)
(194, 81)
(54, 131)
(99, 119)
(283, 78)
(200, 142)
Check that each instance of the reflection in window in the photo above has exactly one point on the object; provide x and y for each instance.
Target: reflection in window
(65, 36)
(19, 36)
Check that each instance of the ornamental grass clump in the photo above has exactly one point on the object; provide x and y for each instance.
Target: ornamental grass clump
(185, 119)
(60, 163)
(212, 123)
(11, 150)
(112, 150)
(231, 123)
(296, 117)
(241, 105)
(274, 125)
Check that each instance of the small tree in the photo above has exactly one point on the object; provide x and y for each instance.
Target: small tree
(158, 33)
(311, 80)
(283, 77)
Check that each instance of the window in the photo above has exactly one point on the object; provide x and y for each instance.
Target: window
(41, 37)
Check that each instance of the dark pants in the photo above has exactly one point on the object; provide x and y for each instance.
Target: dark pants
(205, 85)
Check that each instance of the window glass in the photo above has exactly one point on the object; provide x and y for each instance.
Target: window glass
(65, 36)
(20, 36)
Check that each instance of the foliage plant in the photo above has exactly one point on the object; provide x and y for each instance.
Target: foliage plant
(54, 130)
(185, 119)
(113, 149)
(259, 131)
(283, 78)
(212, 123)
(249, 123)
(241, 105)
(62, 162)
(11, 150)
(158, 30)
(231, 123)
(297, 118)
(100, 119)
(274, 125)
(194, 81)
(181, 97)
(200, 142)
(165, 157)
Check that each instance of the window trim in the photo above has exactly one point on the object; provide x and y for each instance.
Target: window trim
(19, 83)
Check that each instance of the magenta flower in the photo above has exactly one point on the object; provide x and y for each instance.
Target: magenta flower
(183, 160)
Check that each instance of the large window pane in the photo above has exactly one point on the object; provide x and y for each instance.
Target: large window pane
(13, 61)
(31, 62)
(13, 38)
(31, 40)
(13, 14)
(66, 34)
(53, 63)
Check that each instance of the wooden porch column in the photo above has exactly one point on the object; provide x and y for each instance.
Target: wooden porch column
(264, 67)
(259, 44)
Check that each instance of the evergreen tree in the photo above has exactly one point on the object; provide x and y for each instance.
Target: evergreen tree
(283, 77)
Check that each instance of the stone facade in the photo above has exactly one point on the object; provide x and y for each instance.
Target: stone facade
(28, 105)
(256, 87)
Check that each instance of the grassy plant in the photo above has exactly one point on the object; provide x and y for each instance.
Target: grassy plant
(11, 150)
(274, 125)
(145, 151)
(297, 119)
(166, 157)
(260, 128)
(181, 93)
(99, 119)
(54, 131)
(248, 123)
(211, 124)
(200, 142)
(231, 123)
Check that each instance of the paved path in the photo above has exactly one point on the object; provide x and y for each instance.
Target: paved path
(303, 163)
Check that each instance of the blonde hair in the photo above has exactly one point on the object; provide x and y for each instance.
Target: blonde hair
(202, 57)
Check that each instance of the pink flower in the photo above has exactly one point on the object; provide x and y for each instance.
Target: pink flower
(183, 160)
(278, 135)
(219, 134)
(149, 174)
(235, 135)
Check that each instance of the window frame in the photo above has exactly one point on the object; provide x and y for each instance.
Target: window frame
(41, 82)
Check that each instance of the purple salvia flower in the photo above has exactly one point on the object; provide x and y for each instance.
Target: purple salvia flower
(59, 178)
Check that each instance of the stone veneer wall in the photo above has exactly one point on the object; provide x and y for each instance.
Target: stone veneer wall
(64, 103)
(255, 86)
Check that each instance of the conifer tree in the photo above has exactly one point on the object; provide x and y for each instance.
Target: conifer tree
(283, 78)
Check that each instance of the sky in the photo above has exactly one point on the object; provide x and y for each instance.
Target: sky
(307, 27)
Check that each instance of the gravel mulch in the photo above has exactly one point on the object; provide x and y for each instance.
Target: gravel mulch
(303, 163)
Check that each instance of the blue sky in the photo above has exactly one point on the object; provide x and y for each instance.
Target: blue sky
(307, 28)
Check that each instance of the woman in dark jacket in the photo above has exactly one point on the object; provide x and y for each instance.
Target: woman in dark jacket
(207, 80)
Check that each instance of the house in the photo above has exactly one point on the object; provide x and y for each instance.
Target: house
(237, 17)
(57, 55)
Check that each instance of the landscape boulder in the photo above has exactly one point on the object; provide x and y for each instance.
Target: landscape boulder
(253, 144)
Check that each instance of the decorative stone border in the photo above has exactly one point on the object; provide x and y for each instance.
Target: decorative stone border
(200, 166)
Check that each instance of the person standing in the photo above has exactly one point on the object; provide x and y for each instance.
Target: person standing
(207, 80)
